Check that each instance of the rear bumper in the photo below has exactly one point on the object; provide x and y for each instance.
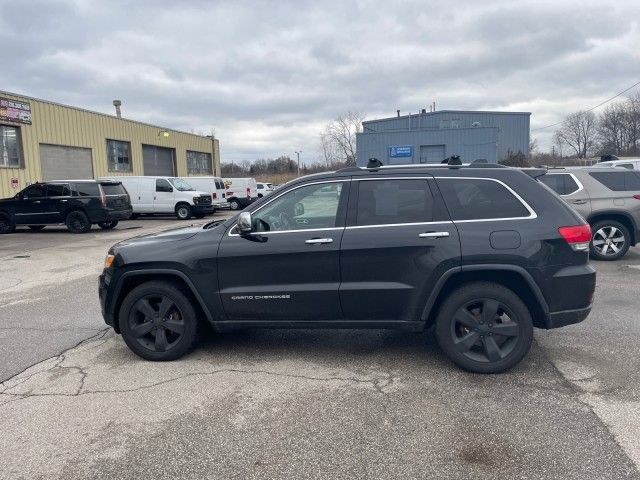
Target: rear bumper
(567, 317)
(119, 214)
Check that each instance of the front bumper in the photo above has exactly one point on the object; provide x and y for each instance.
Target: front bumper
(203, 209)
(103, 286)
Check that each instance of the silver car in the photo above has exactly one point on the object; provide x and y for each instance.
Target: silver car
(608, 198)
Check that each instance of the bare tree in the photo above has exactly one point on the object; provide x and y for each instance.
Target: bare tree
(579, 132)
(340, 135)
(612, 129)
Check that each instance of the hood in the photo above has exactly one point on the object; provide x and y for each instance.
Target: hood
(164, 236)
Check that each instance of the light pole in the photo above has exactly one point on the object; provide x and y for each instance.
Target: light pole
(298, 154)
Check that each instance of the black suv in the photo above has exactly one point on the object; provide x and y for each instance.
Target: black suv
(76, 203)
(483, 254)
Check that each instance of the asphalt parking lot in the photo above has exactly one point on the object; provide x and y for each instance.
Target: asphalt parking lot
(76, 403)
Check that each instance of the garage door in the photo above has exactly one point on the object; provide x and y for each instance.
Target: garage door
(431, 153)
(158, 161)
(60, 162)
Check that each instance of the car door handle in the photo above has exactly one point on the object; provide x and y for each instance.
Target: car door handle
(313, 241)
(63, 201)
(578, 202)
(433, 234)
(36, 201)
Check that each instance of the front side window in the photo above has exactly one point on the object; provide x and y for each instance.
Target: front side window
(198, 162)
(119, 156)
(394, 201)
(9, 146)
(480, 199)
(34, 191)
(163, 185)
(313, 206)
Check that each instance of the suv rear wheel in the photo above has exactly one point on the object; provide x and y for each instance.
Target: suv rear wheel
(484, 328)
(158, 322)
(183, 212)
(6, 224)
(78, 222)
(610, 240)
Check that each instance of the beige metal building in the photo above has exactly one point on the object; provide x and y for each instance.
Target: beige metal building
(42, 140)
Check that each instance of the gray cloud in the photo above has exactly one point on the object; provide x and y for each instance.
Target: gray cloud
(268, 75)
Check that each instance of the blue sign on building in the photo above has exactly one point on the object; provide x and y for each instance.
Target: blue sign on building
(401, 151)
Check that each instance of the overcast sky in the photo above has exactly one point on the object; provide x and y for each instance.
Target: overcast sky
(266, 76)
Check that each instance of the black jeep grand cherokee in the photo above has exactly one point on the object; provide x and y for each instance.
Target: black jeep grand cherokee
(483, 254)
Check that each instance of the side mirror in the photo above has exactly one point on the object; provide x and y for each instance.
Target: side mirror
(298, 209)
(244, 223)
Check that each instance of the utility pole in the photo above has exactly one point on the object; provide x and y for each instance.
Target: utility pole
(298, 154)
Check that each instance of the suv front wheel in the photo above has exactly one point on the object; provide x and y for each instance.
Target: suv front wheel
(610, 240)
(484, 328)
(158, 322)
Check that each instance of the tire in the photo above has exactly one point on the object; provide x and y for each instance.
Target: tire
(108, 225)
(7, 225)
(259, 195)
(183, 212)
(78, 222)
(234, 204)
(610, 241)
(157, 321)
(484, 344)
(37, 228)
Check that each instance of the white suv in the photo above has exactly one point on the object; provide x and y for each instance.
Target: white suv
(264, 189)
(628, 163)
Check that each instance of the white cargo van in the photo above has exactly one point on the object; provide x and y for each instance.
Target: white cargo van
(240, 192)
(213, 185)
(173, 195)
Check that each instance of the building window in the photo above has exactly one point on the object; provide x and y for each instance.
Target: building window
(119, 156)
(9, 146)
(198, 162)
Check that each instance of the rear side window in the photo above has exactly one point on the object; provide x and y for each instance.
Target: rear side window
(561, 183)
(113, 189)
(86, 190)
(219, 184)
(618, 181)
(480, 199)
(394, 201)
(58, 190)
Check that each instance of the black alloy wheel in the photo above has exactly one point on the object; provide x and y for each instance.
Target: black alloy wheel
(484, 328)
(158, 322)
(78, 222)
(6, 225)
(108, 225)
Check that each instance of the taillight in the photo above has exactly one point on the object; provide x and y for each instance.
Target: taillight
(214, 195)
(103, 199)
(248, 192)
(578, 236)
(637, 197)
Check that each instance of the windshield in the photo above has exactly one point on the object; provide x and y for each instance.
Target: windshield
(181, 184)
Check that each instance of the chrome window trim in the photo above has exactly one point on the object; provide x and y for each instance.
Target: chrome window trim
(575, 179)
(532, 213)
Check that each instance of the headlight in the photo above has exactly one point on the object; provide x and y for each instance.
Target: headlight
(108, 260)
(196, 200)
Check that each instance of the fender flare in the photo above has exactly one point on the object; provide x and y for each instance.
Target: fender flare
(435, 293)
(161, 271)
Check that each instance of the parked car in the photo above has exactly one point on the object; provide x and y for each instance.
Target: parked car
(264, 189)
(215, 185)
(166, 195)
(483, 254)
(76, 203)
(241, 192)
(628, 163)
(609, 199)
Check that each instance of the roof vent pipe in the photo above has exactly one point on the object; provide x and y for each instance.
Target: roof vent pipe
(424, 111)
(398, 112)
(117, 103)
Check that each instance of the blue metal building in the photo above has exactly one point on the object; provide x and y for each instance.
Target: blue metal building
(430, 137)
